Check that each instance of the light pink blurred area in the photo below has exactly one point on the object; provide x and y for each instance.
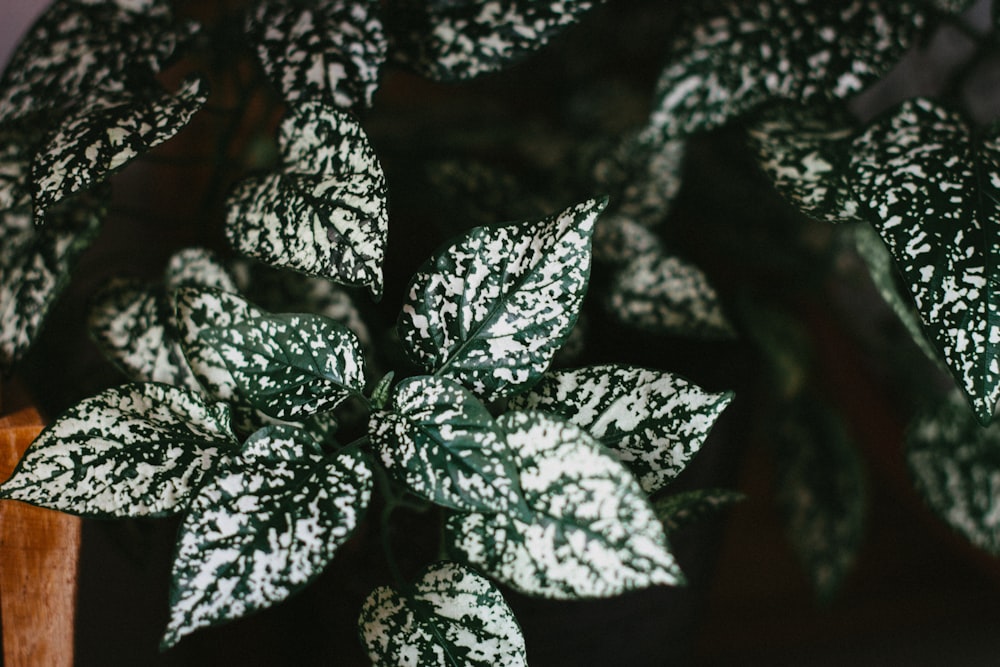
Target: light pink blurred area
(15, 17)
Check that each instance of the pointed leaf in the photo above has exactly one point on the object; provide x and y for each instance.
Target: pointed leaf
(491, 309)
(592, 533)
(325, 213)
(642, 177)
(198, 266)
(653, 421)
(290, 366)
(932, 191)
(442, 442)
(332, 50)
(135, 450)
(453, 41)
(451, 617)
(682, 509)
(619, 240)
(265, 527)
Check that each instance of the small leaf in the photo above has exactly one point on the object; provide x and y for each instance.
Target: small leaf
(332, 50)
(642, 177)
(442, 442)
(325, 212)
(492, 308)
(451, 617)
(955, 465)
(653, 421)
(932, 189)
(665, 294)
(290, 366)
(135, 450)
(265, 527)
(198, 266)
(619, 240)
(455, 41)
(592, 533)
(682, 509)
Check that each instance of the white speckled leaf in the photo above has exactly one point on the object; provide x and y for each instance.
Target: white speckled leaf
(451, 617)
(955, 465)
(653, 421)
(459, 40)
(265, 527)
(325, 212)
(591, 533)
(198, 266)
(619, 240)
(805, 153)
(290, 366)
(35, 266)
(732, 56)
(932, 191)
(683, 509)
(331, 50)
(665, 294)
(134, 450)
(18, 142)
(491, 309)
(104, 136)
(442, 442)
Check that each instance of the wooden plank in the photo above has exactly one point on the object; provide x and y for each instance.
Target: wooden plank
(39, 550)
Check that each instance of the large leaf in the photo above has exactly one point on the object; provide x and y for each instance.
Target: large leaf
(263, 528)
(290, 366)
(732, 56)
(591, 532)
(653, 421)
(955, 464)
(459, 40)
(105, 135)
(491, 309)
(451, 617)
(932, 191)
(331, 50)
(325, 212)
(442, 442)
(135, 450)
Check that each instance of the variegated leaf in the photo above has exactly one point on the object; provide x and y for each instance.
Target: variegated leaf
(932, 191)
(135, 450)
(76, 49)
(35, 266)
(325, 213)
(106, 135)
(620, 240)
(198, 266)
(454, 41)
(665, 294)
(442, 442)
(18, 143)
(491, 309)
(955, 465)
(682, 509)
(591, 532)
(451, 617)
(733, 56)
(265, 527)
(290, 366)
(330, 50)
(805, 153)
(653, 421)
(642, 177)
(820, 491)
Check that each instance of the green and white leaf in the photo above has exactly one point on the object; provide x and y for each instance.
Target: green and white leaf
(592, 533)
(18, 142)
(104, 136)
(491, 309)
(955, 465)
(263, 528)
(642, 177)
(652, 421)
(680, 510)
(442, 442)
(456, 41)
(931, 188)
(451, 617)
(325, 213)
(665, 294)
(198, 266)
(620, 240)
(821, 492)
(134, 450)
(804, 151)
(731, 56)
(290, 366)
(331, 50)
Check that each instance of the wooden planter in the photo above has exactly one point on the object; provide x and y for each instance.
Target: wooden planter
(38, 564)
